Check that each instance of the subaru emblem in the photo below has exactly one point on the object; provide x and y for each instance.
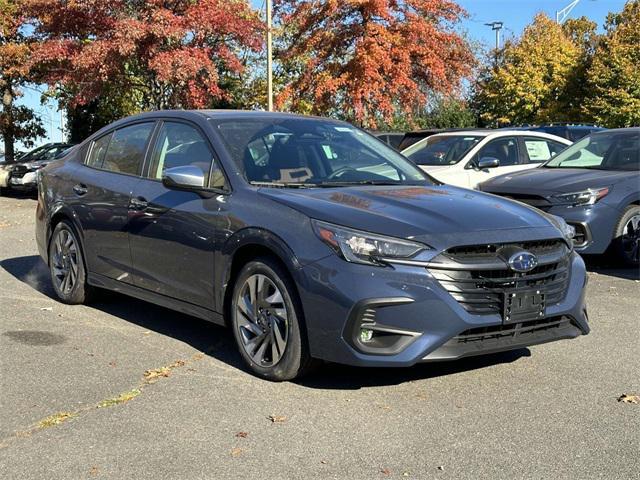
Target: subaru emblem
(523, 262)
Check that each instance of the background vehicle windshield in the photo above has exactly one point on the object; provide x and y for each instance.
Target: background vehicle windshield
(445, 150)
(299, 151)
(602, 151)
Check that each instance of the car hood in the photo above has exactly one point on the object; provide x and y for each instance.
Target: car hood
(439, 215)
(550, 181)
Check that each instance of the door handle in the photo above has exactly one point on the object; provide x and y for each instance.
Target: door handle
(138, 203)
(80, 189)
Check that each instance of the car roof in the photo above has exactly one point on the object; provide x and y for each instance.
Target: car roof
(500, 133)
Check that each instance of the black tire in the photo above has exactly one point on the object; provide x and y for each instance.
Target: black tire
(626, 238)
(72, 260)
(295, 360)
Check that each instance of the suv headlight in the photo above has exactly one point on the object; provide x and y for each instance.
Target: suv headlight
(585, 197)
(363, 247)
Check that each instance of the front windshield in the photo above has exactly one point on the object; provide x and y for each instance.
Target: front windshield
(441, 150)
(602, 151)
(305, 152)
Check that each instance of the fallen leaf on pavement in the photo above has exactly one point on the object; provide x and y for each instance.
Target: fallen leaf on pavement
(242, 434)
(152, 376)
(277, 418)
(94, 471)
(385, 471)
(236, 452)
(629, 399)
(46, 309)
(177, 363)
(440, 467)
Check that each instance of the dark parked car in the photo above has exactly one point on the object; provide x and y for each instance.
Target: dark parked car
(571, 131)
(22, 174)
(594, 185)
(310, 238)
(390, 138)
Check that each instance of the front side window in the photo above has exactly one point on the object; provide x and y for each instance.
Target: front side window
(442, 150)
(504, 149)
(305, 152)
(126, 149)
(602, 151)
(179, 145)
(540, 149)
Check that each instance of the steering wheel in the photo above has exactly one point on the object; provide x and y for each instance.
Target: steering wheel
(340, 171)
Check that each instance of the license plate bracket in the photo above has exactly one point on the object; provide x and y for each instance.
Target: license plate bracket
(522, 306)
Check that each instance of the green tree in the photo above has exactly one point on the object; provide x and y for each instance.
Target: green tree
(529, 80)
(613, 79)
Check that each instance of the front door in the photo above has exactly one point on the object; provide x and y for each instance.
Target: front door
(172, 232)
(504, 149)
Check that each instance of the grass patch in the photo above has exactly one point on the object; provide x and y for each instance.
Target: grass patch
(122, 398)
(56, 419)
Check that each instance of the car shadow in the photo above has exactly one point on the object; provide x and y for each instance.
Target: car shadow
(218, 342)
(604, 265)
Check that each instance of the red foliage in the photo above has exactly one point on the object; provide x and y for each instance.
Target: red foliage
(370, 59)
(172, 52)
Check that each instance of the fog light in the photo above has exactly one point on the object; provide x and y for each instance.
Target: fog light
(366, 334)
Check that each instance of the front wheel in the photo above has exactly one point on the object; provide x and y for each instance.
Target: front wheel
(68, 274)
(626, 243)
(267, 322)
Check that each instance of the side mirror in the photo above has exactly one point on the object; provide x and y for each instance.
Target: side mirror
(488, 162)
(187, 177)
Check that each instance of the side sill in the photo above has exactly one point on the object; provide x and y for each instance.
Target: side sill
(101, 281)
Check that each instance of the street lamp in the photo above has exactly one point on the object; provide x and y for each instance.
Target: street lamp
(269, 58)
(496, 27)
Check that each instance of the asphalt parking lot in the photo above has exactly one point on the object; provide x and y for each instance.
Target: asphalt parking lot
(125, 389)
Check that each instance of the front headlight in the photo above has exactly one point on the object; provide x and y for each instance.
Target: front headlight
(363, 247)
(585, 197)
(568, 232)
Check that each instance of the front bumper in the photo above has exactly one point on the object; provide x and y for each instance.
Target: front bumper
(26, 182)
(596, 223)
(413, 304)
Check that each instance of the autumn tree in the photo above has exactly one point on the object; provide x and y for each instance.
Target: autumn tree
(164, 54)
(366, 60)
(17, 123)
(529, 81)
(613, 79)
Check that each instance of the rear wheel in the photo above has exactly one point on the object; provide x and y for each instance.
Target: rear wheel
(66, 265)
(267, 320)
(626, 243)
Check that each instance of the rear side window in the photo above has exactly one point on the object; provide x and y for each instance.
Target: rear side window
(126, 149)
(540, 149)
(98, 151)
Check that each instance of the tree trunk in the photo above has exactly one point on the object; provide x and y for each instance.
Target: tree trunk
(7, 106)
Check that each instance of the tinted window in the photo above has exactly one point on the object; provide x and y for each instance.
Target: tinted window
(98, 151)
(179, 145)
(504, 149)
(310, 151)
(602, 151)
(442, 150)
(125, 153)
(540, 149)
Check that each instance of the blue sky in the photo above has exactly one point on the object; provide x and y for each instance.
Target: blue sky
(515, 14)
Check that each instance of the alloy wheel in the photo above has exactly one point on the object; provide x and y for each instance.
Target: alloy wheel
(630, 239)
(65, 261)
(262, 320)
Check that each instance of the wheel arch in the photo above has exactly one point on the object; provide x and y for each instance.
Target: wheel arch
(246, 245)
(59, 213)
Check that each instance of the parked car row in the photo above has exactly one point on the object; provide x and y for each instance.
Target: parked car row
(21, 175)
(309, 238)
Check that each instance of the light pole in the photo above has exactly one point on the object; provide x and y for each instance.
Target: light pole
(496, 27)
(561, 15)
(269, 58)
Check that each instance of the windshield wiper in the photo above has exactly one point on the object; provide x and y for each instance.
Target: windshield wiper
(281, 184)
(328, 184)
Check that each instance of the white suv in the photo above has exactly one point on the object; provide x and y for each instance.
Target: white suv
(470, 157)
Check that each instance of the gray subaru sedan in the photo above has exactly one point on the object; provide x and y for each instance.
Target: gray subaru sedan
(309, 238)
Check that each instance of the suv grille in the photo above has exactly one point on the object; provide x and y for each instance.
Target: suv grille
(19, 171)
(481, 287)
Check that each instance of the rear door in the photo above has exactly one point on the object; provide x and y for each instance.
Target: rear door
(172, 232)
(101, 193)
(537, 150)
